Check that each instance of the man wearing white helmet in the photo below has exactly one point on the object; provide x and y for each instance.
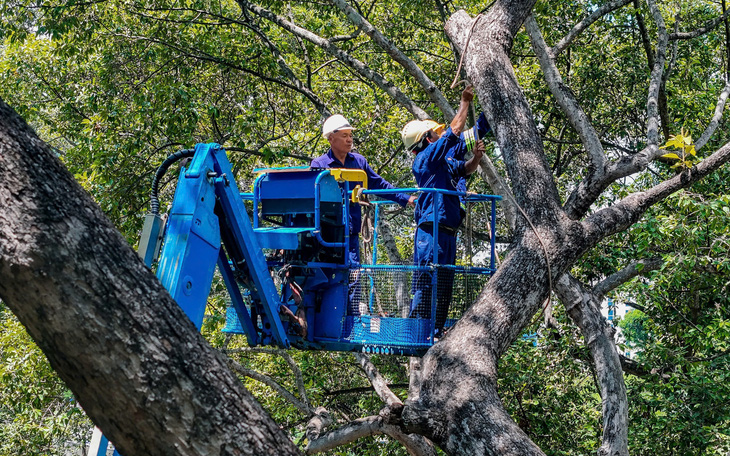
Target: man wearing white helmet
(338, 131)
(439, 163)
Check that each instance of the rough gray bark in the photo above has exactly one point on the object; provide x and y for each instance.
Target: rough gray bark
(134, 361)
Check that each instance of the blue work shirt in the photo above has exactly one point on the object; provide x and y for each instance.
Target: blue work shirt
(353, 160)
(433, 167)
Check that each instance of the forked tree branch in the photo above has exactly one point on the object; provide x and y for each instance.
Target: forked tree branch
(329, 47)
(626, 212)
(397, 55)
(587, 191)
(584, 24)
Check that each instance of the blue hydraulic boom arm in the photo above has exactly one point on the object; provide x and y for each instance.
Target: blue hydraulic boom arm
(208, 226)
(325, 300)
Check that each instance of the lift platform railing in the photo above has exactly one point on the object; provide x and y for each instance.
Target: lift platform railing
(461, 282)
(468, 197)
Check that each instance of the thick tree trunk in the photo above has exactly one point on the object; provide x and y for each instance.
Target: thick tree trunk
(134, 361)
(471, 419)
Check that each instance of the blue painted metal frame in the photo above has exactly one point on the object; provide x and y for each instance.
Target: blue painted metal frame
(193, 245)
(368, 333)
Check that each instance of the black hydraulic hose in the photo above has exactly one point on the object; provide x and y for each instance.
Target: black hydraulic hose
(172, 158)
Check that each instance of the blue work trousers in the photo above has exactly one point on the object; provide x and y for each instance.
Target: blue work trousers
(423, 281)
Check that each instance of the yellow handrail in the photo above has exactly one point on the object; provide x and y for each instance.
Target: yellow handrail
(347, 174)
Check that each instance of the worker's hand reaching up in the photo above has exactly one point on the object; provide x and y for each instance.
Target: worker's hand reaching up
(467, 94)
(459, 120)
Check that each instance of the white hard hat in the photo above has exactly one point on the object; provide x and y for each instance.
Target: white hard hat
(435, 126)
(335, 123)
(414, 131)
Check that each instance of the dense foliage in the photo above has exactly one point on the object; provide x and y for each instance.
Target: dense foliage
(38, 414)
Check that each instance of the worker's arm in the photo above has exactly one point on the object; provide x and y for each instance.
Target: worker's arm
(473, 162)
(457, 124)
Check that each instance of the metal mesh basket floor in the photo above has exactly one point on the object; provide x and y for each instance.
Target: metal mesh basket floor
(386, 312)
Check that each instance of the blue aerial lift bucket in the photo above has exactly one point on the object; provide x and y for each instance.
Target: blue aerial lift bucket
(286, 266)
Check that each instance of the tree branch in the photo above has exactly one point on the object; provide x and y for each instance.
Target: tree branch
(510, 116)
(587, 191)
(289, 360)
(623, 214)
(632, 367)
(565, 98)
(378, 382)
(366, 427)
(173, 380)
(584, 309)
(709, 25)
(646, 43)
(268, 381)
(652, 104)
(618, 278)
(327, 45)
(585, 23)
(286, 69)
(392, 50)
(715, 121)
(318, 423)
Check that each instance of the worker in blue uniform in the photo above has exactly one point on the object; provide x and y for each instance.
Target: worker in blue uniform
(338, 131)
(439, 163)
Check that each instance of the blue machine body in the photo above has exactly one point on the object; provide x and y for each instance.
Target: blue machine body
(286, 265)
